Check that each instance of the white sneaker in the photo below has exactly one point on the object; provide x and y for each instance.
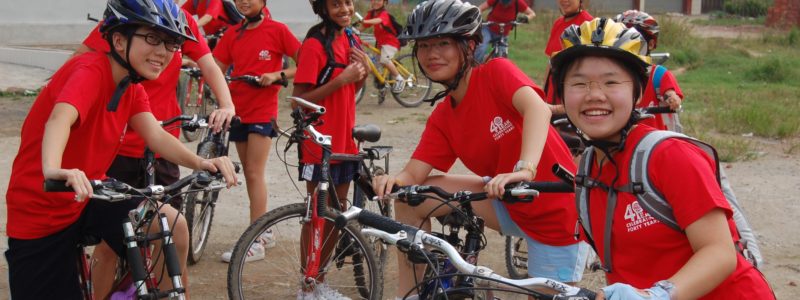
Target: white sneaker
(268, 239)
(321, 292)
(399, 84)
(255, 253)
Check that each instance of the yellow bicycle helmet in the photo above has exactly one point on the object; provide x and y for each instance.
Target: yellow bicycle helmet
(602, 37)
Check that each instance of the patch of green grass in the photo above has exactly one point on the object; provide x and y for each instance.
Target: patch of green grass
(723, 19)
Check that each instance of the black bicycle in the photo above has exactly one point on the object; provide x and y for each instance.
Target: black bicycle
(452, 271)
(137, 278)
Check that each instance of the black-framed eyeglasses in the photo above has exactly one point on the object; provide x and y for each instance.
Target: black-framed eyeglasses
(155, 40)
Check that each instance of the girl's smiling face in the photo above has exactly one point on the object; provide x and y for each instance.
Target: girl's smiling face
(340, 11)
(598, 97)
(440, 58)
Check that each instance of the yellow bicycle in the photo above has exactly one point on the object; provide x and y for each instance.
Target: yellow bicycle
(417, 86)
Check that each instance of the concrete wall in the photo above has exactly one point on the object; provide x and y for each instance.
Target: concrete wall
(47, 22)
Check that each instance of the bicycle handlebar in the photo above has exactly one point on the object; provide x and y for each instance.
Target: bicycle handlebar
(255, 81)
(113, 190)
(408, 238)
(317, 109)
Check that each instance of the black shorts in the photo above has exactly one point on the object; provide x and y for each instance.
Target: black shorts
(340, 173)
(240, 133)
(131, 170)
(45, 268)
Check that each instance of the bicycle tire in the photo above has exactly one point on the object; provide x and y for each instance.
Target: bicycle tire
(516, 258)
(199, 210)
(360, 93)
(279, 274)
(419, 86)
(187, 99)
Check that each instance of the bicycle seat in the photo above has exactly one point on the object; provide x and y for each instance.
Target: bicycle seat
(370, 133)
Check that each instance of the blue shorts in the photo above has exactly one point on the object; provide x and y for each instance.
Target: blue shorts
(240, 133)
(340, 173)
(562, 263)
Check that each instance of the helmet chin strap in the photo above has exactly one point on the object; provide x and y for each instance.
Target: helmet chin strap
(132, 77)
(249, 20)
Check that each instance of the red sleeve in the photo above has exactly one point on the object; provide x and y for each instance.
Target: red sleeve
(214, 8)
(189, 6)
(554, 41)
(509, 79)
(369, 16)
(686, 177)
(290, 43)
(141, 102)
(434, 146)
(95, 40)
(491, 3)
(310, 61)
(81, 90)
(192, 49)
(668, 82)
(522, 6)
(222, 51)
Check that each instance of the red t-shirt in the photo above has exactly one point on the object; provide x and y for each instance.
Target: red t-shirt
(84, 82)
(162, 92)
(487, 117)
(383, 37)
(207, 7)
(502, 13)
(259, 50)
(554, 42)
(668, 82)
(340, 115)
(644, 250)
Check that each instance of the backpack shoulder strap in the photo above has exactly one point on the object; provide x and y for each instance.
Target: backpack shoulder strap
(582, 185)
(330, 62)
(658, 74)
(648, 196)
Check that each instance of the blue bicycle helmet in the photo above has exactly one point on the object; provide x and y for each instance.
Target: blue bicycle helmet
(161, 15)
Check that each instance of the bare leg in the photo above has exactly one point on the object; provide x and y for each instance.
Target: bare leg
(254, 154)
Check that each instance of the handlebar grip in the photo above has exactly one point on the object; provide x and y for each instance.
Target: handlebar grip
(659, 110)
(53, 185)
(551, 187)
(380, 222)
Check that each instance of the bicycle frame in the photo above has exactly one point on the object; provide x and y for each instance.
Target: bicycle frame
(383, 77)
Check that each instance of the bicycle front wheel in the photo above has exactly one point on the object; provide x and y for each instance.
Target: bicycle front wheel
(417, 87)
(516, 257)
(199, 210)
(352, 269)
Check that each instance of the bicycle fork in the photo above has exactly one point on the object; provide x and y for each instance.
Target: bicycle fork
(317, 222)
(139, 270)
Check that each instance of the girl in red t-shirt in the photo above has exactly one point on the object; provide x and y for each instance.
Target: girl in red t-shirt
(494, 121)
(73, 133)
(385, 39)
(670, 92)
(600, 86)
(256, 47)
(572, 13)
(330, 50)
(502, 11)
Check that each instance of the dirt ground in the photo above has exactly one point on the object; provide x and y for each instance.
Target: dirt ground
(767, 187)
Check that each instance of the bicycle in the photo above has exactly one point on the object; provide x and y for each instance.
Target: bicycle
(194, 97)
(198, 206)
(500, 44)
(417, 85)
(516, 249)
(452, 272)
(137, 276)
(341, 259)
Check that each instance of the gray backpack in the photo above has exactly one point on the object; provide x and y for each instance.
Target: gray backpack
(649, 197)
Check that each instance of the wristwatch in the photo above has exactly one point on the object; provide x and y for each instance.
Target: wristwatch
(524, 165)
(667, 286)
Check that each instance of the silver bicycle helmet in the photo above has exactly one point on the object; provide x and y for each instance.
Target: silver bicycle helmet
(436, 18)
